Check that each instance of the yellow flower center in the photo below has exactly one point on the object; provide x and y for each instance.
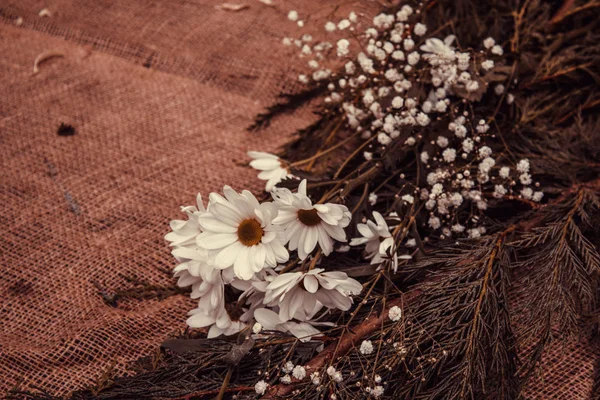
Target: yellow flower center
(250, 232)
(309, 217)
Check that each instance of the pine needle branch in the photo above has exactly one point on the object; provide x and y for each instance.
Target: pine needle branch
(562, 267)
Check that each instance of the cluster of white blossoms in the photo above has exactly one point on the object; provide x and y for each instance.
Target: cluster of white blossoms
(237, 246)
(397, 84)
(465, 173)
(401, 78)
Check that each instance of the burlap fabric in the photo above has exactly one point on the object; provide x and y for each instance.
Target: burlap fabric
(160, 94)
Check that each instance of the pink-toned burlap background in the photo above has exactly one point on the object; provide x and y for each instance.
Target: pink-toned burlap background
(160, 94)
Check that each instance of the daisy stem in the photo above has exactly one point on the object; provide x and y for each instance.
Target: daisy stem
(325, 143)
(225, 383)
(358, 150)
(313, 263)
(290, 266)
(320, 184)
(307, 160)
(362, 198)
(350, 185)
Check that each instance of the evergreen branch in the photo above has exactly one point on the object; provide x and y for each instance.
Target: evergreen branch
(562, 267)
(464, 315)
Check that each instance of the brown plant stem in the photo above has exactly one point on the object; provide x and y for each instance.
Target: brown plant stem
(322, 153)
(565, 11)
(215, 391)
(325, 143)
(225, 383)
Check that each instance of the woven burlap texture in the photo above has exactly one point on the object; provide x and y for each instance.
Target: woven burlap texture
(160, 94)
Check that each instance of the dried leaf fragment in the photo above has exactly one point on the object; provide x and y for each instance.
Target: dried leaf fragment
(43, 57)
(232, 7)
(239, 351)
(45, 13)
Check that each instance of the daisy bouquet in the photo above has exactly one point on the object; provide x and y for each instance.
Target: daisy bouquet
(390, 228)
(414, 155)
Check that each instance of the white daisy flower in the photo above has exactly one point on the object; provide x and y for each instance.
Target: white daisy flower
(219, 320)
(238, 231)
(184, 232)
(213, 310)
(378, 241)
(301, 295)
(271, 321)
(306, 224)
(274, 170)
(193, 269)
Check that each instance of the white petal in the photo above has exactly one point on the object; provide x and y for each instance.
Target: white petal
(261, 154)
(268, 236)
(214, 331)
(358, 241)
(311, 284)
(242, 266)
(327, 218)
(190, 254)
(364, 230)
(200, 203)
(312, 235)
(214, 241)
(335, 232)
(293, 235)
(213, 224)
(285, 216)
(379, 219)
(200, 320)
(228, 255)
(259, 256)
(230, 194)
(267, 318)
(284, 279)
(302, 331)
(265, 164)
(302, 187)
(280, 252)
(302, 253)
(295, 301)
(226, 214)
(325, 241)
